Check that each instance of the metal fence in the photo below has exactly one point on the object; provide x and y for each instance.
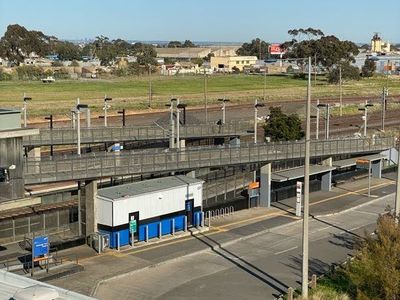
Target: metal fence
(68, 136)
(130, 162)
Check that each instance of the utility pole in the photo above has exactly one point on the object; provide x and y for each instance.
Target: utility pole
(106, 107)
(265, 83)
(317, 120)
(397, 199)
(384, 94)
(304, 282)
(340, 91)
(25, 108)
(178, 144)
(50, 118)
(150, 88)
(205, 95)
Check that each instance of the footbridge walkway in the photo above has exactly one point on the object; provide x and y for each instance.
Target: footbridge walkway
(99, 165)
(68, 136)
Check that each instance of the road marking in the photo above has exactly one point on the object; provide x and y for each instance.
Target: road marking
(286, 250)
(367, 212)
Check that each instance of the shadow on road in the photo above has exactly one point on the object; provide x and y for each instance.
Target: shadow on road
(241, 263)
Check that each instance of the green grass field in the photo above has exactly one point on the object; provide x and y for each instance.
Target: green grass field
(132, 93)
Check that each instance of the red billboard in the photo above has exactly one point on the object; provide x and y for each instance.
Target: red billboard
(276, 49)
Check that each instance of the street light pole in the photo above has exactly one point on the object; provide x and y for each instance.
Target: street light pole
(205, 95)
(178, 144)
(50, 118)
(150, 88)
(340, 91)
(384, 91)
(78, 112)
(265, 83)
(25, 108)
(223, 101)
(306, 188)
(317, 120)
(106, 107)
(397, 199)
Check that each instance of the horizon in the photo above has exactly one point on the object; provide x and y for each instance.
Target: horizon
(203, 21)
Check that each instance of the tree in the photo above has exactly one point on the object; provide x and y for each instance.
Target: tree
(188, 44)
(368, 69)
(375, 270)
(17, 43)
(348, 73)
(256, 47)
(145, 54)
(328, 51)
(283, 127)
(67, 51)
(174, 44)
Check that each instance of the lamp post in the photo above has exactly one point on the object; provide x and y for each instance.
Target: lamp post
(340, 91)
(171, 123)
(317, 120)
(223, 101)
(384, 106)
(179, 106)
(79, 107)
(256, 106)
(123, 116)
(365, 116)
(397, 198)
(50, 118)
(25, 108)
(106, 107)
(304, 281)
(327, 115)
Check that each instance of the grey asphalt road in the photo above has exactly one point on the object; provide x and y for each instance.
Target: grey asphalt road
(260, 267)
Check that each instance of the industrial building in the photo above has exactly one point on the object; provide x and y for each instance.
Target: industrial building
(227, 63)
(159, 207)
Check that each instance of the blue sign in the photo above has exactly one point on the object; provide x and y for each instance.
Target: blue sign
(188, 206)
(40, 246)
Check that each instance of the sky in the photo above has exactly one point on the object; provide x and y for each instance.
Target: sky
(203, 20)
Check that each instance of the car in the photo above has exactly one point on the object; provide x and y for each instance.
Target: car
(48, 79)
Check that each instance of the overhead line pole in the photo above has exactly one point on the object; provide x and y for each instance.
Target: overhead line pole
(304, 282)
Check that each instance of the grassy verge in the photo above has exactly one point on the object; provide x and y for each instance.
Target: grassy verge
(132, 92)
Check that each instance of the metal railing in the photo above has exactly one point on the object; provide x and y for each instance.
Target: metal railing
(68, 136)
(91, 166)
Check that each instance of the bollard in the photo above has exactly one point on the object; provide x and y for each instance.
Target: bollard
(147, 233)
(209, 223)
(173, 227)
(202, 219)
(290, 292)
(313, 281)
(118, 241)
(159, 231)
(185, 224)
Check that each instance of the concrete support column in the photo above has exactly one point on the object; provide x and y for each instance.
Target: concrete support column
(376, 169)
(88, 203)
(182, 143)
(326, 181)
(265, 185)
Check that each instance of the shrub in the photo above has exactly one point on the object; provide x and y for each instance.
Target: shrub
(29, 73)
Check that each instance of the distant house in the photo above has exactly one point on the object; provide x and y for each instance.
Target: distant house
(182, 67)
(4, 62)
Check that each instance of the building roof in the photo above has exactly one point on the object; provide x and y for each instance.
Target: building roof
(182, 52)
(296, 173)
(147, 186)
(14, 286)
